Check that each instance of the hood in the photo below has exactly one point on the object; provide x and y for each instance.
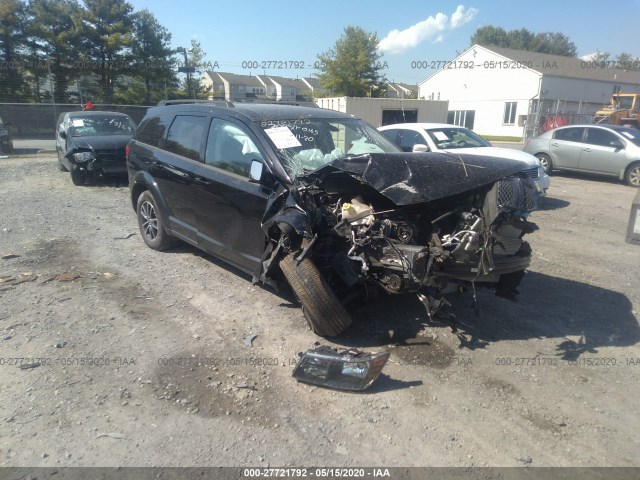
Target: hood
(508, 153)
(100, 143)
(410, 178)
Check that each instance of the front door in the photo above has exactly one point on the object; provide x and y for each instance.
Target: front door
(229, 207)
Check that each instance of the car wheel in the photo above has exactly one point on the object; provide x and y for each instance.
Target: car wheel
(324, 313)
(545, 161)
(151, 224)
(76, 177)
(632, 176)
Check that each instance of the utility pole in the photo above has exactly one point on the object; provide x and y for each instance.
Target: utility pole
(188, 70)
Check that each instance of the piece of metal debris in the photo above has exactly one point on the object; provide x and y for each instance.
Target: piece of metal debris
(125, 237)
(8, 256)
(248, 340)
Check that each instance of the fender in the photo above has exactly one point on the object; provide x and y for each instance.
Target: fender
(142, 181)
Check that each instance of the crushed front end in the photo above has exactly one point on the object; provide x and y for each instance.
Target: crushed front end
(406, 224)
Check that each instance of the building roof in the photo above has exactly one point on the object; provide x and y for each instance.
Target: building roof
(313, 81)
(287, 82)
(235, 79)
(561, 66)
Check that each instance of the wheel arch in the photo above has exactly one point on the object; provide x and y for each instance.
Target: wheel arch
(142, 182)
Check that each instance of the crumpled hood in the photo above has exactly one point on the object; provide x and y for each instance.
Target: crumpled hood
(410, 178)
(99, 142)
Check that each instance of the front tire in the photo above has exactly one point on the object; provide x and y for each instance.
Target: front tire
(76, 177)
(151, 224)
(632, 177)
(545, 161)
(324, 313)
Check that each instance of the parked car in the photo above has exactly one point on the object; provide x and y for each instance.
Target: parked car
(442, 137)
(6, 144)
(322, 201)
(92, 144)
(603, 149)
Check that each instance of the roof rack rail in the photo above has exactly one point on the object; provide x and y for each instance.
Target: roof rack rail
(217, 103)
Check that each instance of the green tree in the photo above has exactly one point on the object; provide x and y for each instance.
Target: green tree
(13, 42)
(151, 60)
(107, 32)
(352, 67)
(554, 43)
(53, 31)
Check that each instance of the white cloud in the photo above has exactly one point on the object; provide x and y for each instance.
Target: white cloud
(399, 41)
(460, 17)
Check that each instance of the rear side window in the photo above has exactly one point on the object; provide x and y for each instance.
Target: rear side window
(152, 131)
(569, 134)
(186, 136)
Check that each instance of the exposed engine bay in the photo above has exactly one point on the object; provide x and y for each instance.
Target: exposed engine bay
(366, 225)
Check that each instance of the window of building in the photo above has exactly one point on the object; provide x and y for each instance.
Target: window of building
(462, 118)
(509, 117)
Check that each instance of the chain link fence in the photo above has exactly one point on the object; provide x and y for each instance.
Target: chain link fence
(38, 120)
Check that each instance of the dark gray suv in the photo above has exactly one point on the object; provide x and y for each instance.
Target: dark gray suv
(322, 201)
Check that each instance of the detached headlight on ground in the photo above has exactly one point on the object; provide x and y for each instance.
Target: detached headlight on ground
(349, 370)
(83, 157)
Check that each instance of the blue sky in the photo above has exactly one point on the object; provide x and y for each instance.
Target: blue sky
(296, 31)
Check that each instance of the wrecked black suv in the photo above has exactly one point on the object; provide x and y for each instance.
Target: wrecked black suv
(321, 200)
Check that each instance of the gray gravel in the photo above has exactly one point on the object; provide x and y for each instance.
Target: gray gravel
(143, 358)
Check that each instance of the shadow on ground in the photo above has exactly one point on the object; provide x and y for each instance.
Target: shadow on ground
(582, 317)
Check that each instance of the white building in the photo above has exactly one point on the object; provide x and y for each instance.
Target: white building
(500, 91)
(387, 111)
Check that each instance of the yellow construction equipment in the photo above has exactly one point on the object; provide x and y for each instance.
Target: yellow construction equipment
(624, 109)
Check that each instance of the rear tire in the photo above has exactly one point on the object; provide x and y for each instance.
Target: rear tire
(324, 313)
(545, 160)
(632, 176)
(151, 224)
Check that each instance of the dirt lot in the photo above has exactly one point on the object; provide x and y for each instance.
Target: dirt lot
(144, 357)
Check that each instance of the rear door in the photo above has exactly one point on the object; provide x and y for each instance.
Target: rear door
(229, 207)
(172, 166)
(603, 151)
(566, 146)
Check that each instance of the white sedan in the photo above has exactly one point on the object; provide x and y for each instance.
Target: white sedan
(442, 137)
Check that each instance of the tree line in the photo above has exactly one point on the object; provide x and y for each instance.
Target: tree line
(100, 50)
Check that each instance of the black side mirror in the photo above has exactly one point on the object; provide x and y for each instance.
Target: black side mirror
(63, 134)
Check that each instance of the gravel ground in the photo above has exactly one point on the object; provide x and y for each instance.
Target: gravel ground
(144, 356)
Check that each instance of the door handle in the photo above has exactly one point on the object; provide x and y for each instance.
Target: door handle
(554, 144)
(201, 181)
(586, 149)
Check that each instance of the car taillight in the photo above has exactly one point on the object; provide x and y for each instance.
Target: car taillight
(126, 152)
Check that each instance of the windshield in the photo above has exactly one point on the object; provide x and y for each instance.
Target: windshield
(624, 102)
(456, 137)
(101, 125)
(310, 143)
(630, 134)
